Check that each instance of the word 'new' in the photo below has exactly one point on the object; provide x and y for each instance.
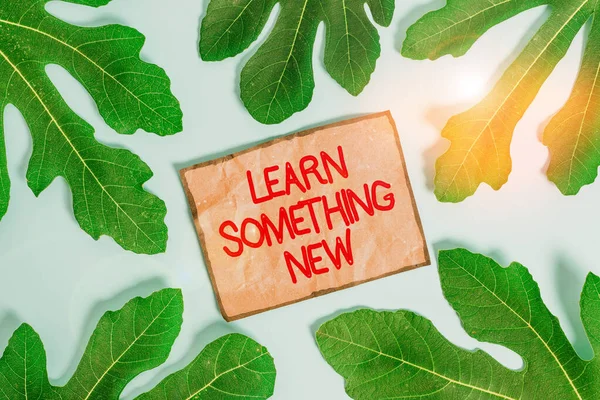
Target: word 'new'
(308, 264)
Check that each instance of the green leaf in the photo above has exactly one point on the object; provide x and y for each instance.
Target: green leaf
(233, 366)
(130, 341)
(402, 355)
(108, 197)
(572, 135)
(126, 343)
(481, 137)
(23, 372)
(278, 79)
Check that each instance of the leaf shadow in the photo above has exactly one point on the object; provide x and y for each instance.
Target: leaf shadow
(314, 327)
(437, 116)
(451, 244)
(446, 244)
(330, 121)
(9, 323)
(203, 10)
(206, 336)
(540, 136)
(19, 174)
(569, 284)
(411, 17)
(57, 8)
(144, 288)
(318, 56)
(11, 114)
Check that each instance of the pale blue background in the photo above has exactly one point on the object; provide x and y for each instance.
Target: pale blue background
(59, 280)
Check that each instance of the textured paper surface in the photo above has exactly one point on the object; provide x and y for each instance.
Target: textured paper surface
(259, 279)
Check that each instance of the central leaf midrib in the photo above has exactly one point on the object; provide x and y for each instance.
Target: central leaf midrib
(287, 61)
(505, 100)
(83, 161)
(418, 367)
(554, 356)
(75, 49)
(127, 349)
(347, 36)
(25, 369)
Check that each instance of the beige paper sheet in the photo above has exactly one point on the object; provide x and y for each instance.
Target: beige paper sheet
(259, 279)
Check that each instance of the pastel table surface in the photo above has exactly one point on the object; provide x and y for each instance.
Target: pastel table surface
(59, 280)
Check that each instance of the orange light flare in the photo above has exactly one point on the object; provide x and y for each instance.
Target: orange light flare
(469, 84)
